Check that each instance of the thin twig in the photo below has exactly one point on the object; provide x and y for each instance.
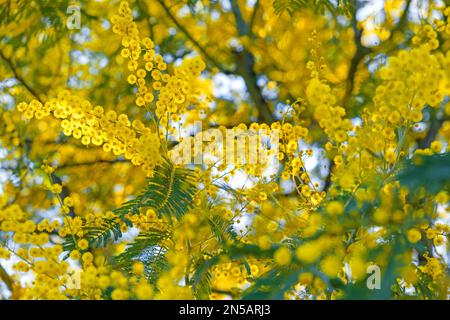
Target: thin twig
(191, 38)
(360, 54)
(245, 63)
(19, 77)
(6, 279)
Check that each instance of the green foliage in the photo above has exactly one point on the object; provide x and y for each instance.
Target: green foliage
(148, 248)
(222, 229)
(50, 14)
(273, 284)
(431, 172)
(291, 6)
(110, 229)
(202, 285)
(98, 236)
(169, 192)
(201, 279)
(360, 290)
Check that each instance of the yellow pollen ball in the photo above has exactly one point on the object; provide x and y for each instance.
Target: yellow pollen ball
(413, 235)
(282, 256)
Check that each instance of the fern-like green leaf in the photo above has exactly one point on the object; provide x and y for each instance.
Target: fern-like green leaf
(148, 248)
(272, 285)
(100, 235)
(202, 285)
(169, 192)
(222, 229)
(237, 252)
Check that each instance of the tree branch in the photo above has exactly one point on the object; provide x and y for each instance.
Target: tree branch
(328, 181)
(245, 63)
(435, 125)
(191, 38)
(19, 77)
(361, 52)
(6, 279)
(64, 192)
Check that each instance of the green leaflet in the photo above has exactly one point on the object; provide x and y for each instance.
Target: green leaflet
(202, 285)
(431, 172)
(98, 236)
(238, 252)
(110, 229)
(51, 14)
(148, 248)
(222, 229)
(169, 192)
(273, 285)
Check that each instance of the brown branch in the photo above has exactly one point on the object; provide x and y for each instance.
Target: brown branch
(245, 63)
(191, 38)
(88, 15)
(242, 27)
(64, 192)
(19, 77)
(360, 53)
(6, 279)
(328, 181)
(435, 125)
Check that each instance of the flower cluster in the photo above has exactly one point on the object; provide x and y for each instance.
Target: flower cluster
(300, 207)
(177, 91)
(93, 125)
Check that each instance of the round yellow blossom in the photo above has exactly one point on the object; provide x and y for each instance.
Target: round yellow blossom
(331, 265)
(68, 201)
(442, 197)
(413, 235)
(358, 267)
(335, 208)
(308, 252)
(75, 255)
(436, 146)
(262, 196)
(144, 291)
(4, 253)
(83, 244)
(87, 257)
(131, 79)
(264, 242)
(306, 191)
(138, 268)
(306, 278)
(438, 240)
(282, 256)
(381, 216)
